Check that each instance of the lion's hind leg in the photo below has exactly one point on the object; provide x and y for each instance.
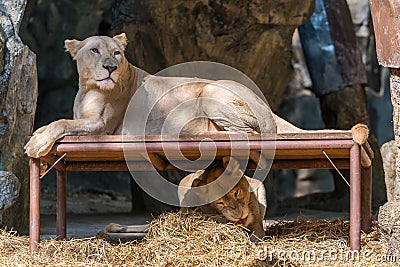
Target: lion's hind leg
(235, 108)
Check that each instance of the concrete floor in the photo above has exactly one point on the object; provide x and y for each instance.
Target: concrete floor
(87, 225)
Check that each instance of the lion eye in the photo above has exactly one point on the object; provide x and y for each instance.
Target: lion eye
(95, 51)
(117, 53)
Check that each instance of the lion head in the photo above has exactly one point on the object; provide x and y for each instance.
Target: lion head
(100, 60)
(234, 205)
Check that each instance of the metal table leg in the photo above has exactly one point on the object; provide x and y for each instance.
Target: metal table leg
(61, 223)
(355, 197)
(366, 199)
(34, 205)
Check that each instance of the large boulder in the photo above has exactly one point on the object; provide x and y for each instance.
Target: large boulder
(18, 93)
(389, 213)
(9, 189)
(389, 223)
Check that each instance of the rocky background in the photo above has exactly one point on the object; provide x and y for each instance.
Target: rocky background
(18, 93)
(253, 36)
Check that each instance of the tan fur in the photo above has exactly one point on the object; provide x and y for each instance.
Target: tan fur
(103, 97)
(239, 204)
(360, 133)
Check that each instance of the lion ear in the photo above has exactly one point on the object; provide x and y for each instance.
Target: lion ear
(121, 38)
(231, 164)
(197, 182)
(201, 191)
(73, 46)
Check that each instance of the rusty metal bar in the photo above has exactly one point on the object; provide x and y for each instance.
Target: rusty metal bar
(53, 165)
(105, 166)
(61, 220)
(336, 135)
(314, 144)
(366, 199)
(336, 168)
(34, 205)
(368, 150)
(355, 197)
(309, 164)
(205, 146)
(258, 159)
(146, 166)
(51, 159)
(156, 160)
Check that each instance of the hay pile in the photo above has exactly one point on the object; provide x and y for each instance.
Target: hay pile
(181, 239)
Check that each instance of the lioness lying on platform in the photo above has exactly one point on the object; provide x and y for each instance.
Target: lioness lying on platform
(107, 82)
(245, 203)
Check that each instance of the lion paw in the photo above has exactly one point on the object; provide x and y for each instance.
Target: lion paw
(39, 144)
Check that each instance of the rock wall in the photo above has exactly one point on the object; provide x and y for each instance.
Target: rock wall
(18, 93)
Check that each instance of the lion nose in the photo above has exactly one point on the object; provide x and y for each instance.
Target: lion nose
(110, 68)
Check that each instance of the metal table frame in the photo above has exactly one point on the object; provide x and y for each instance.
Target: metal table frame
(293, 151)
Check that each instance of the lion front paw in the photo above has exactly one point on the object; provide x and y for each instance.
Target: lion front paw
(40, 143)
